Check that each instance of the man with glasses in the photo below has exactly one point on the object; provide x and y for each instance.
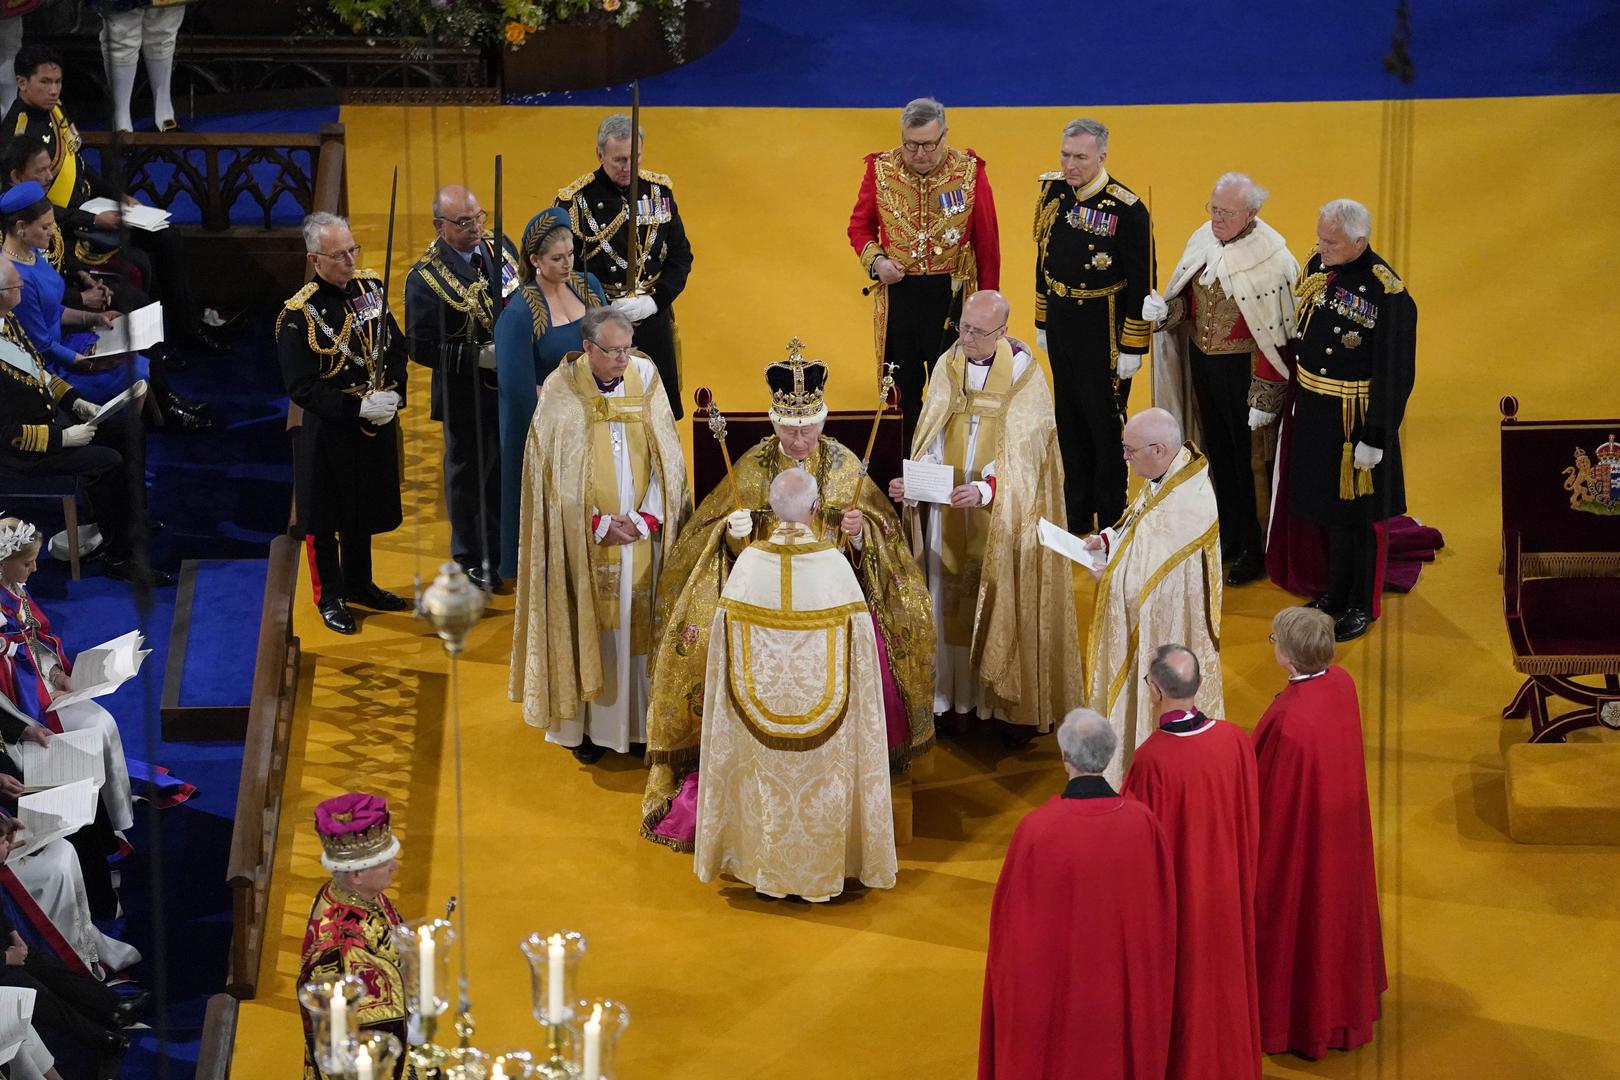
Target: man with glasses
(924, 226)
(1161, 581)
(604, 485)
(1230, 315)
(1005, 629)
(453, 296)
(598, 206)
(343, 361)
(1093, 274)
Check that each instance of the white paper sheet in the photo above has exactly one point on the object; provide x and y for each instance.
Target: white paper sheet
(1070, 546)
(51, 815)
(103, 669)
(71, 756)
(928, 482)
(139, 216)
(140, 329)
(133, 392)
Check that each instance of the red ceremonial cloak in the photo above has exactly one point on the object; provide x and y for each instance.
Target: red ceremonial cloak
(1318, 945)
(1199, 779)
(1082, 956)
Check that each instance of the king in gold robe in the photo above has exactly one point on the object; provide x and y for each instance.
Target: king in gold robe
(603, 458)
(794, 790)
(1004, 605)
(696, 571)
(1161, 584)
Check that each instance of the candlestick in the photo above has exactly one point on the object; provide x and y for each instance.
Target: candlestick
(340, 1027)
(555, 955)
(593, 1044)
(425, 958)
(362, 1064)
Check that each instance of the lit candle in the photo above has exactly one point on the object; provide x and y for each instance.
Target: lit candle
(424, 964)
(500, 1071)
(593, 1045)
(554, 1010)
(362, 1064)
(340, 1026)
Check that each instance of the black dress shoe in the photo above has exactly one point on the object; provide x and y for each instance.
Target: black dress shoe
(1247, 567)
(125, 568)
(129, 1010)
(587, 752)
(379, 599)
(1351, 625)
(337, 616)
(179, 418)
(490, 584)
(1329, 603)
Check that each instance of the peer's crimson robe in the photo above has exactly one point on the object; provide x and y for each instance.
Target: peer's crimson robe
(1198, 777)
(1318, 945)
(1082, 957)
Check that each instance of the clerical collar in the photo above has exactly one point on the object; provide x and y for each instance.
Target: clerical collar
(1088, 787)
(1184, 722)
(609, 386)
(986, 362)
(1307, 678)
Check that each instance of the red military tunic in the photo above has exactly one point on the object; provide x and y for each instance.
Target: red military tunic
(1198, 777)
(1082, 957)
(942, 223)
(1319, 948)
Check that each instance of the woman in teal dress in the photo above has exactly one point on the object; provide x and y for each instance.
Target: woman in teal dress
(539, 327)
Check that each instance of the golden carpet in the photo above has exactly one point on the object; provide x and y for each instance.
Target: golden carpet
(1501, 956)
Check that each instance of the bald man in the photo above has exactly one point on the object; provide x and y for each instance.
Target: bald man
(1005, 632)
(453, 295)
(1161, 582)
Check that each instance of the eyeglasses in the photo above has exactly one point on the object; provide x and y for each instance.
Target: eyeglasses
(618, 353)
(1130, 450)
(351, 254)
(474, 222)
(974, 332)
(9, 288)
(921, 147)
(1225, 215)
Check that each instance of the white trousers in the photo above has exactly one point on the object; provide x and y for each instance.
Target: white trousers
(150, 32)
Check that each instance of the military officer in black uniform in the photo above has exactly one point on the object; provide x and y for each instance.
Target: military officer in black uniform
(598, 206)
(453, 295)
(343, 361)
(1354, 368)
(1093, 272)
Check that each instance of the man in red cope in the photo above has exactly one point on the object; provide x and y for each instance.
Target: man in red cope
(1082, 959)
(1319, 948)
(924, 226)
(1197, 775)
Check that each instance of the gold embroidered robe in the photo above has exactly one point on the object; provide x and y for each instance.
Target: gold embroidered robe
(1024, 637)
(689, 590)
(1162, 584)
(350, 935)
(557, 662)
(793, 788)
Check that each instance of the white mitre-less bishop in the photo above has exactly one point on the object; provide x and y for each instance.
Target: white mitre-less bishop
(1162, 583)
(793, 779)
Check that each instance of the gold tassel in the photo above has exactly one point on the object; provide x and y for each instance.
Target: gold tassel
(1347, 473)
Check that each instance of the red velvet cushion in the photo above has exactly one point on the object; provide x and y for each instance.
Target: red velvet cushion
(1572, 616)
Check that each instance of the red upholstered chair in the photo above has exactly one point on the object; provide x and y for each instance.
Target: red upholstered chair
(1561, 568)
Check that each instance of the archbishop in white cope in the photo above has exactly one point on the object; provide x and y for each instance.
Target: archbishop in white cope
(793, 789)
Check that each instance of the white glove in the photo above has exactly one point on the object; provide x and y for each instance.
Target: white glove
(78, 435)
(1259, 419)
(740, 523)
(377, 408)
(636, 308)
(83, 409)
(390, 396)
(1154, 309)
(1367, 456)
(1129, 364)
(1040, 340)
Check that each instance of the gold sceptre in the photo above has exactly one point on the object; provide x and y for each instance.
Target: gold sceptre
(886, 392)
(704, 399)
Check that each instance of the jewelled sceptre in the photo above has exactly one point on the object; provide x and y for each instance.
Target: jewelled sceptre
(704, 399)
(886, 393)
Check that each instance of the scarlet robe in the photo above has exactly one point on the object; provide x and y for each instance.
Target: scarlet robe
(1082, 957)
(1319, 948)
(1198, 777)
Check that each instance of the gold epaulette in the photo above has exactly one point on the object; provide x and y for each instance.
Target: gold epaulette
(1047, 176)
(1123, 194)
(656, 178)
(22, 123)
(368, 273)
(573, 189)
(1386, 277)
(297, 300)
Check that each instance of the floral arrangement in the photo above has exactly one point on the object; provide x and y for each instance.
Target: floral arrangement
(501, 22)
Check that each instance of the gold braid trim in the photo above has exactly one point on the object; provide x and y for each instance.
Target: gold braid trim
(1306, 294)
(1570, 564)
(1353, 398)
(58, 248)
(473, 300)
